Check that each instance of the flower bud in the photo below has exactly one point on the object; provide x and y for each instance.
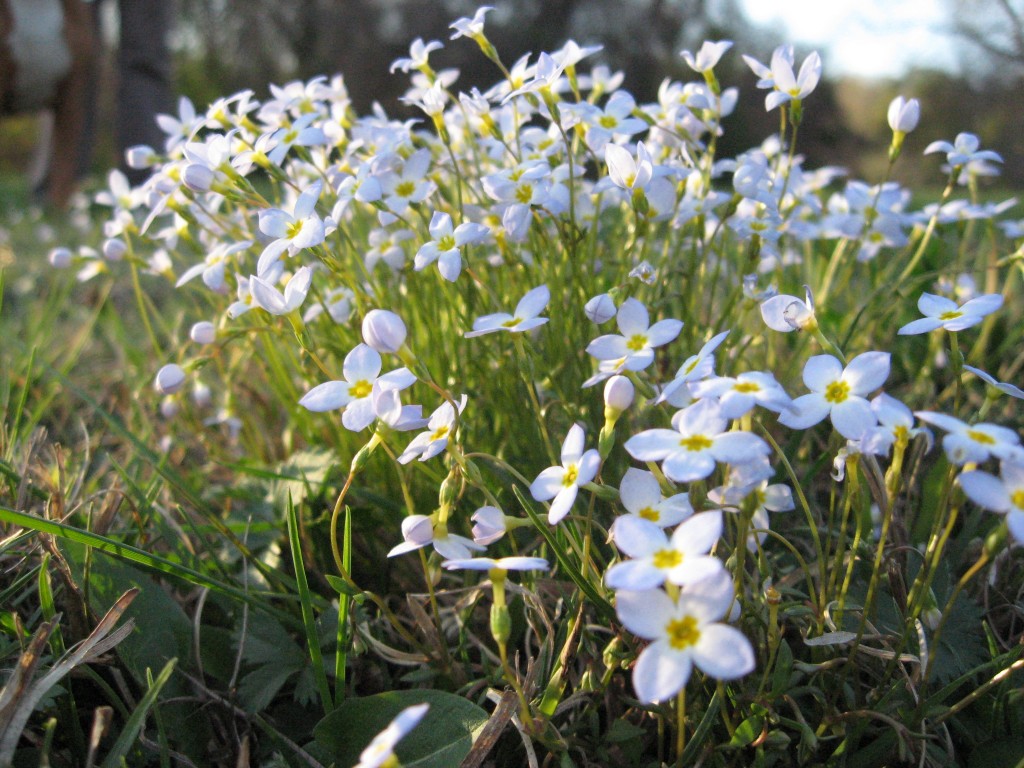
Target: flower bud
(203, 332)
(904, 114)
(383, 330)
(169, 379)
(618, 394)
(169, 407)
(197, 177)
(60, 257)
(114, 249)
(600, 309)
(201, 395)
(139, 157)
(490, 525)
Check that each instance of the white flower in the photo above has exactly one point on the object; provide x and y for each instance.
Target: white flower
(640, 494)
(655, 558)
(707, 56)
(786, 313)
(446, 245)
(301, 228)
(625, 172)
(684, 633)
(1004, 494)
(940, 312)
(839, 393)
(383, 745)
(524, 319)
(632, 349)
(965, 443)
(895, 422)
(474, 28)
(738, 395)
(963, 150)
(679, 391)
(1002, 386)
(699, 439)
(267, 296)
(562, 483)
(420, 530)
(489, 525)
(361, 370)
(428, 444)
(418, 53)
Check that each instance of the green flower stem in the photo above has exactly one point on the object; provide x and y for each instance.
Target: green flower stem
(680, 726)
(929, 230)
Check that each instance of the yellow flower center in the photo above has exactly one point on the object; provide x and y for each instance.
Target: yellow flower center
(571, 473)
(405, 189)
(682, 633)
(837, 391)
(953, 314)
(524, 193)
(649, 513)
(293, 229)
(696, 443)
(439, 434)
(607, 121)
(637, 342)
(746, 386)
(512, 323)
(1017, 498)
(361, 388)
(446, 243)
(667, 558)
(981, 437)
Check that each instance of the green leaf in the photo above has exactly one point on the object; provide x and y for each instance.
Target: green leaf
(441, 740)
(747, 731)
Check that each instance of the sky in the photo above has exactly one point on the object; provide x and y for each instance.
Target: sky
(872, 38)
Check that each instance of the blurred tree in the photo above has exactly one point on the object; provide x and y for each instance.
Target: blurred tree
(995, 27)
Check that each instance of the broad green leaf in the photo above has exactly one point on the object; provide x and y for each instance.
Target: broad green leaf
(441, 740)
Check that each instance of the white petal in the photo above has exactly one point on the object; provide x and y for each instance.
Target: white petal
(328, 396)
(810, 409)
(663, 331)
(923, 325)
(634, 575)
(534, 302)
(639, 489)
(867, 372)
(632, 318)
(933, 306)
(697, 535)
(723, 652)
(853, 417)
(820, 371)
(644, 613)
(548, 483)
(660, 672)
(637, 537)
(986, 491)
(362, 364)
(562, 503)
(653, 444)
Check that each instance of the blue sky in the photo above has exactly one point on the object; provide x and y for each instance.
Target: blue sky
(863, 37)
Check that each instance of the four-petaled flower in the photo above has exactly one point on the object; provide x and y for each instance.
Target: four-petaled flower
(640, 494)
(839, 393)
(655, 558)
(524, 319)
(940, 312)
(563, 483)
(355, 393)
(965, 443)
(632, 349)
(446, 245)
(699, 439)
(428, 444)
(685, 633)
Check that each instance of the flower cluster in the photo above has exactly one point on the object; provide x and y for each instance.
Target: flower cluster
(557, 192)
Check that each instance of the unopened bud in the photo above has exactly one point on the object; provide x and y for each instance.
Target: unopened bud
(169, 379)
(114, 249)
(203, 332)
(618, 394)
(140, 157)
(383, 330)
(60, 257)
(600, 309)
(197, 177)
